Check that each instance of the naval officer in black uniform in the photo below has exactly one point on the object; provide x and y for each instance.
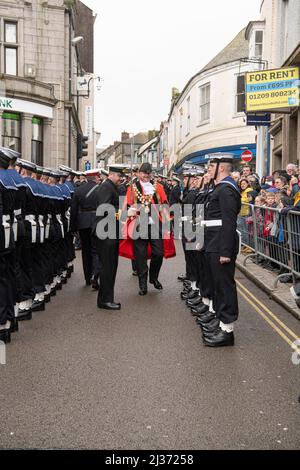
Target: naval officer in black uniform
(83, 216)
(107, 246)
(221, 243)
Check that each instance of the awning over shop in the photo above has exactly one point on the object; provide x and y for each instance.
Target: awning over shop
(198, 158)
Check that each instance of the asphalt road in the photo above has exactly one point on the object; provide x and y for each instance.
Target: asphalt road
(79, 377)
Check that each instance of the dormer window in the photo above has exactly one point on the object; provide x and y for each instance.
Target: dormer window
(259, 35)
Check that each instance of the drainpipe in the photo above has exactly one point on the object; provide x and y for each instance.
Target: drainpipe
(70, 87)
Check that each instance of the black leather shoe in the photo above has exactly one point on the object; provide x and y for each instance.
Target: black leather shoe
(59, 286)
(182, 277)
(219, 339)
(187, 284)
(14, 326)
(24, 315)
(134, 273)
(143, 291)
(94, 283)
(192, 294)
(206, 318)
(210, 327)
(110, 306)
(209, 335)
(194, 302)
(200, 309)
(184, 294)
(38, 306)
(157, 285)
(5, 336)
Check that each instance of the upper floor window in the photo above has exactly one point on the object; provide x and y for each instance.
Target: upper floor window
(240, 94)
(188, 122)
(180, 124)
(10, 31)
(10, 47)
(259, 35)
(204, 108)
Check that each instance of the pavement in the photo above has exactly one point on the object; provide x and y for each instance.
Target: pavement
(78, 377)
(266, 280)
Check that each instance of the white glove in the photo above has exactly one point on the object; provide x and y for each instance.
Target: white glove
(131, 212)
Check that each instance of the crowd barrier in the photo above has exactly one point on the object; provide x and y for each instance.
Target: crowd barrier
(272, 238)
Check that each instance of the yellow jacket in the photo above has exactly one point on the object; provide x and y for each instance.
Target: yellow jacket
(245, 209)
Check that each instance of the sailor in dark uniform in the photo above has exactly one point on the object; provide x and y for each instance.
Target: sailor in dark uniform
(175, 194)
(7, 249)
(221, 247)
(23, 287)
(61, 197)
(188, 198)
(108, 245)
(202, 303)
(83, 216)
(67, 180)
(104, 174)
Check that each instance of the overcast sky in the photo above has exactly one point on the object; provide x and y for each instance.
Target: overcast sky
(144, 48)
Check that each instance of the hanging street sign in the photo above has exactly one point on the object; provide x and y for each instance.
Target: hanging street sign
(247, 156)
(275, 90)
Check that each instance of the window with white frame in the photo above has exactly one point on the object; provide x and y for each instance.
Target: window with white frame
(10, 47)
(240, 94)
(180, 124)
(204, 100)
(259, 36)
(188, 118)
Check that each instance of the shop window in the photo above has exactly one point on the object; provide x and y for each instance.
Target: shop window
(37, 141)
(11, 129)
(240, 94)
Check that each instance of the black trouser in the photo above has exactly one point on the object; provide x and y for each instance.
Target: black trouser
(140, 248)
(70, 247)
(205, 282)
(7, 287)
(108, 252)
(23, 253)
(193, 264)
(90, 258)
(184, 252)
(133, 265)
(38, 268)
(225, 301)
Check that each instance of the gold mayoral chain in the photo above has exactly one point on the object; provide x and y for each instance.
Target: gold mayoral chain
(144, 200)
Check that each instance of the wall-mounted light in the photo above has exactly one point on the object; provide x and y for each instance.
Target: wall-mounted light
(77, 40)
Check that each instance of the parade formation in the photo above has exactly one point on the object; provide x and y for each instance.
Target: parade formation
(119, 212)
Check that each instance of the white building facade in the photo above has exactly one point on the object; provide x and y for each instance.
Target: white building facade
(40, 114)
(282, 49)
(208, 116)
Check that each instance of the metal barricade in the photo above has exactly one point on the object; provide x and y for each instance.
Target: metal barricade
(272, 238)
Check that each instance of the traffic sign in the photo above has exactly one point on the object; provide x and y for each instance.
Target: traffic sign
(247, 156)
(262, 119)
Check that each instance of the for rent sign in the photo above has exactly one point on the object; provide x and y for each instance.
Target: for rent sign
(271, 90)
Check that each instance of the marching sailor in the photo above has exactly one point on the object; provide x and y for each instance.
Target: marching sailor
(107, 242)
(221, 244)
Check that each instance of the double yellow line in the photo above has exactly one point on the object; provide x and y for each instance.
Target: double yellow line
(284, 331)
